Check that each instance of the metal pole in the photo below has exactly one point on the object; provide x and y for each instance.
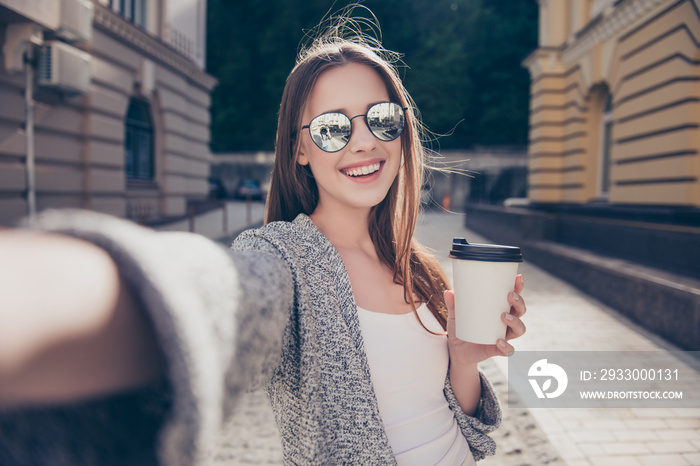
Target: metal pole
(29, 132)
(190, 217)
(248, 210)
(225, 215)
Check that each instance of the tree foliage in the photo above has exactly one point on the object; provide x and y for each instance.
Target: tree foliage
(462, 64)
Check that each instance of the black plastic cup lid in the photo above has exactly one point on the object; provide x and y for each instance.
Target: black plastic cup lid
(461, 249)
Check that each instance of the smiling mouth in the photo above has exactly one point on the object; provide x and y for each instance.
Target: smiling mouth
(362, 171)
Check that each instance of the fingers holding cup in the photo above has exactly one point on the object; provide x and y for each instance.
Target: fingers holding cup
(514, 326)
(519, 283)
(505, 348)
(517, 304)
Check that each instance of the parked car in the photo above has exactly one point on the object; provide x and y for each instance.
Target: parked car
(249, 189)
(216, 189)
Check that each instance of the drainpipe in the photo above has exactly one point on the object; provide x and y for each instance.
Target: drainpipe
(21, 40)
(29, 132)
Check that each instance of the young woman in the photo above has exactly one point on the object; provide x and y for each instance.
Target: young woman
(332, 306)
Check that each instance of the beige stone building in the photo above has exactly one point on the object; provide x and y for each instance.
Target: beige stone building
(120, 115)
(615, 103)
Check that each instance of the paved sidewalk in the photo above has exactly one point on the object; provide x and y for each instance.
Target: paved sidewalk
(559, 318)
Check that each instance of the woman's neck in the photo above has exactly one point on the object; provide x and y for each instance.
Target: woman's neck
(345, 228)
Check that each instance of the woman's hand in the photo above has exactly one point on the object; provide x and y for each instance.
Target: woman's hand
(465, 353)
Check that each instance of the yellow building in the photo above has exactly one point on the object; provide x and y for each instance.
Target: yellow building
(615, 103)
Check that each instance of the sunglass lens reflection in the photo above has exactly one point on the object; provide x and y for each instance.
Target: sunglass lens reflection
(330, 131)
(386, 120)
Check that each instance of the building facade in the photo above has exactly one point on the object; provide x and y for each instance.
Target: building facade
(120, 114)
(615, 103)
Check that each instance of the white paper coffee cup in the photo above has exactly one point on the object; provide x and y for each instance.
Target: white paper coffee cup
(483, 275)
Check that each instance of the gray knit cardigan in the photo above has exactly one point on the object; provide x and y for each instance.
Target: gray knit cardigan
(276, 311)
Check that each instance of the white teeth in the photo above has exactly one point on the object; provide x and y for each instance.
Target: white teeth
(366, 170)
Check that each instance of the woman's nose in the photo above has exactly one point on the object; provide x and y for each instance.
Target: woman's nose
(361, 139)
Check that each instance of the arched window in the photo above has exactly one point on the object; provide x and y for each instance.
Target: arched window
(138, 141)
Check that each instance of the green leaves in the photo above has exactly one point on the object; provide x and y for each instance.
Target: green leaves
(462, 64)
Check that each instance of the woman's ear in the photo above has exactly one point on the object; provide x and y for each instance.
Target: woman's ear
(301, 157)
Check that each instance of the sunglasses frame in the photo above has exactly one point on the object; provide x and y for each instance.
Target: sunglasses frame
(351, 128)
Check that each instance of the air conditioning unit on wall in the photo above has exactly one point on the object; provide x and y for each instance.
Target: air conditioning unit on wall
(64, 68)
(75, 24)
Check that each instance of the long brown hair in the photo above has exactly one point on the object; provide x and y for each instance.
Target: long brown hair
(392, 223)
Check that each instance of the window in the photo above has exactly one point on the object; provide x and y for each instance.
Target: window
(605, 146)
(133, 10)
(138, 141)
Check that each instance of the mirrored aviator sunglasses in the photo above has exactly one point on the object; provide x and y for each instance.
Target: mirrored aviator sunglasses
(332, 131)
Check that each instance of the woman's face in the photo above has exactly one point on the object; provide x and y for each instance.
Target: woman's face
(350, 89)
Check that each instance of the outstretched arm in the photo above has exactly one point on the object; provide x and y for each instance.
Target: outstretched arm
(95, 305)
(70, 328)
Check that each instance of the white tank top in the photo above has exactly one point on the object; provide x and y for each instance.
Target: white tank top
(408, 366)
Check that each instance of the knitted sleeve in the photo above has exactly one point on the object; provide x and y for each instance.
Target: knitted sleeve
(486, 419)
(219, 317)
